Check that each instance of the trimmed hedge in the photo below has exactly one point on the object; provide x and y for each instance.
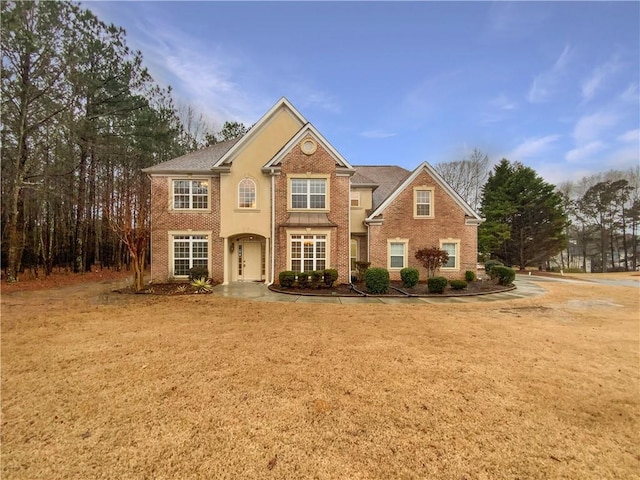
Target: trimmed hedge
(330, 275)
(409, 276)
(287, 278)
(458, 284)
(303, 279)
(316, 277)
(469, 276)
(436, 284)
(505, 275)
(376, 280)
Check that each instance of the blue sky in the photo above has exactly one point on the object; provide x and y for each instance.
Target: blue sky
(554, 85)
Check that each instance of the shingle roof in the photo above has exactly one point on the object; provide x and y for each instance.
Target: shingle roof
(387, 177)
(198, 161)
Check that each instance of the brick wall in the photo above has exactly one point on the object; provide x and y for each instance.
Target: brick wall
(321, 161)
(163, 220)
(448, 222)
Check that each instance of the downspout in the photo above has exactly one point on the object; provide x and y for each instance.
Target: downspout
(273, 227)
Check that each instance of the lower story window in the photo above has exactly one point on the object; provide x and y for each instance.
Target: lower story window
(308, 252)
(452, 249)
(397, 254)
(189, 251)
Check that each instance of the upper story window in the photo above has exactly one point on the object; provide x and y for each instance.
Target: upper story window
(309, 193)
(247, 193)
(355, 199)
(190, 194)
(423, 203)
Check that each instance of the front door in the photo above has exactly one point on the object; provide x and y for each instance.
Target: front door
(251, 260)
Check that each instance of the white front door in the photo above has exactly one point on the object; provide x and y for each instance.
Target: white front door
(251, 261)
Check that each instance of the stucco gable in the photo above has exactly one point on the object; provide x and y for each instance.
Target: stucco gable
(471, 214)
(282, 107)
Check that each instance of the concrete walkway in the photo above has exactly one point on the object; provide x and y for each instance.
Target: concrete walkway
(260, 293)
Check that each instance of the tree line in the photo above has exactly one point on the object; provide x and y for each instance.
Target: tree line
(590, 225)
(81, 116)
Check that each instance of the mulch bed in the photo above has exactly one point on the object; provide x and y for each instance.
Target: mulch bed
(166, 289)
(480, 287)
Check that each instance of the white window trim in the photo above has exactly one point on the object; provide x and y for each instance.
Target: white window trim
(431, 202)
(170, 238)
(404, 241)
(255, 191)
(309, 176)
(190, 209)
(455, 241)
(326, 233)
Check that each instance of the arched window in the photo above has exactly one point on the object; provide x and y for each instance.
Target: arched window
(247, 193)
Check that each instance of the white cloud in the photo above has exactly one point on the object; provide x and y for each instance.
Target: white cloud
(584, 152)
(532, 147)
(631, 94)
(545, 84)
(598, 75)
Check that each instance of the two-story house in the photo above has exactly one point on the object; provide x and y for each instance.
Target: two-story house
(282, 198)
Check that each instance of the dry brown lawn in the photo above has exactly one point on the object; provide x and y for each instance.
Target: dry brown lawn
(99, 385)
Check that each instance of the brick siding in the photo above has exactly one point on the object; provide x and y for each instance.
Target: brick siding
(448, 222)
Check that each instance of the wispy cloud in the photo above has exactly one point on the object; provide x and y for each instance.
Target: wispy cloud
(597, 76)
(377, 134)
(589, 128)
(585, 151)
(630, 136)
(545, 84)
(631, 94)
(532, 147)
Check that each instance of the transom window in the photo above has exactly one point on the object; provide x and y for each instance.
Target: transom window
(423, 203)
(452, 249)
(397, 254)
(308, 252)
(308, 193)
(190, 194)
(189, 251)
(247, 193)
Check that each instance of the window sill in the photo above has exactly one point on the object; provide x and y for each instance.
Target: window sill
(422, 217)
(190, 210)
(246, 210)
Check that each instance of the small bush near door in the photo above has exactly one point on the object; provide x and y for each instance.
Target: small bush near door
(303, 279)
(196, 273)
(287, 278)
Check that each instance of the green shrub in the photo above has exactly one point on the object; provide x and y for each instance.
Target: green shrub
(436, 284)
(198, 272)
(458, 284)
(287, 278)
(330, 276)
(505, 275)
(316, 277)
(409, 276)
(469, 276)
(376, 280)
(489, 265)
(303, 279)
